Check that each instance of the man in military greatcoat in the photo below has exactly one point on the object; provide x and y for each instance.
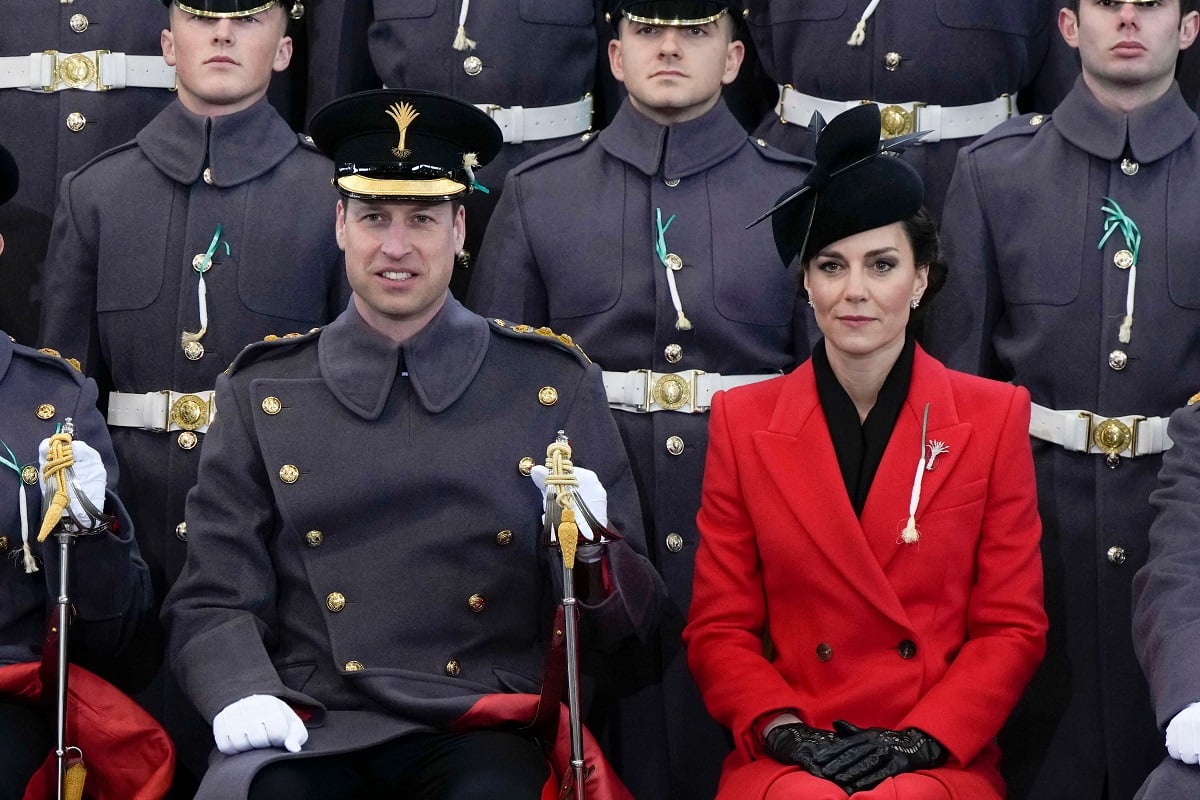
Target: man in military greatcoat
(173, 252)
(1072, 243)
(634, 242)
(954, 68)
(369, 592)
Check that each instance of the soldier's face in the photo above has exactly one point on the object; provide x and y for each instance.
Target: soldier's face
(862, 288)
(1127, 46)
(399, 257)
(223, 65)
(674, 74)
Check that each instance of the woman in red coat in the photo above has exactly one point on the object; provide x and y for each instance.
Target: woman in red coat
(868, 588)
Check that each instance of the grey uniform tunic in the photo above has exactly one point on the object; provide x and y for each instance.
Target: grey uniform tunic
(123, 286)
(110, 589)
(1166, 617)
(1030, 298)
(951, 52)
(33, 125)
(532, 53)
(407, 501)
(595, 275)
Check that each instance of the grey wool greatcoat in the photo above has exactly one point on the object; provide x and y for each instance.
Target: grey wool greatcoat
(529, 53)
(407, 501)
(52, 133)
(1032, 298)
(128, 229)
(595, 275)
(950, 53)
(110, 590)
(1166, 593)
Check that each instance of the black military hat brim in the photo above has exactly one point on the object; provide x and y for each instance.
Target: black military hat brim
(431, 157)
(671, 12)
(222, 8)
(10, 176)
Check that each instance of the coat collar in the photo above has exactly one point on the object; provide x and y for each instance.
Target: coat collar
(677, 151)
(6, 353)
(238, 147)
(1151, 132)
(797, 442)
(359, 365)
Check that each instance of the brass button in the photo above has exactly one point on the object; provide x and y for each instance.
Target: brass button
(1036, 119)
(271, 405)
(891, 62)
(78, 23)
(1123, 259)
(824, 652)
(674, 445)
(674, 542)
(207, 174)
(476, 603)
(289, 474)
(3, 543)
(314, 538)
(181, 531)
(188, 440)
(673, 353)
(29, 474)
(672, 182)
(504, 537)
(472, 65)
(761, 142)
(45, 411)
(907, 649)
(1118, 360)
(76, 122)
(1116, 555)
(585, 137)
(335, 601)
(525, 465)
(452, 668)
(198, 262)
(674, 262)
(193, 351)
(547, 395)
(354, 666)
(1129, 167)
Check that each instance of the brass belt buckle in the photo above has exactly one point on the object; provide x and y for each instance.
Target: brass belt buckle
(672, 392)
(190, 412)
(1112, 436)
(897, 120)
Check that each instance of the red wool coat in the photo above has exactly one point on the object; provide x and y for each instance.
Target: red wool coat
(941, 635)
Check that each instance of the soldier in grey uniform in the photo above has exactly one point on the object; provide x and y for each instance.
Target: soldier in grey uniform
(367, 549)
(532, 65)
(173, 252)
(954, 68)
(1166, 615)
(75, 80)
(111, 586)
(1072, 247)
(656, 275)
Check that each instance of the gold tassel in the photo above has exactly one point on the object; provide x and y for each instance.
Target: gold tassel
(58, 459)
(568, 536)
(73, 783)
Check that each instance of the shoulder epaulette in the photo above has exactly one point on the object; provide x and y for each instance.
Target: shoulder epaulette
(307, 142)
(773, 153)
(1024, 125)
(269, 345)
(1194, 399)
(569, 148)
(51, 356)
(560, 340)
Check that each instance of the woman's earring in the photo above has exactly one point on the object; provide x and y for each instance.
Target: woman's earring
(810, 303)
(916, 301)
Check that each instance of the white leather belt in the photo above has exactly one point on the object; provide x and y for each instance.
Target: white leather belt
(93, 71)
(521, 124)
(162, 411)
(1085, 432)
(897, 119)
(688, 392)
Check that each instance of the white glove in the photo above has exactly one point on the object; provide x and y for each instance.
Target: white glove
(89, 474)
(256, 722)
(590, 491)
(1183, 735)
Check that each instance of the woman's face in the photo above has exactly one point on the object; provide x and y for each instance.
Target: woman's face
(861, 289)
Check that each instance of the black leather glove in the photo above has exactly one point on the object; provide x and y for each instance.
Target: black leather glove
(861, 759)
(797, 743)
